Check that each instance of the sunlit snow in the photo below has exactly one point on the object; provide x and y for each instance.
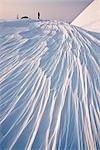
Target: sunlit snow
(49, 86)
(90, 18)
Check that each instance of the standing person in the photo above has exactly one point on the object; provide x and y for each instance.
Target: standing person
(38, 15)
(17, 16)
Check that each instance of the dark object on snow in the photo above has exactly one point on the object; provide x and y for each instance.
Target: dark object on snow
(25, 17)
(38, 15)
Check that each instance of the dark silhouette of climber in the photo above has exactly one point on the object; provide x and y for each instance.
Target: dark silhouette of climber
(38, 15)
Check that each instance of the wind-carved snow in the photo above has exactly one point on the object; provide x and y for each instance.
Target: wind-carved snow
(49, 86)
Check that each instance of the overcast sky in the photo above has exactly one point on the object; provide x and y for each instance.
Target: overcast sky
(49, 9)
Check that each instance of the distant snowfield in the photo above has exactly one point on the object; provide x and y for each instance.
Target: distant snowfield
(89, 19)
(49, 86)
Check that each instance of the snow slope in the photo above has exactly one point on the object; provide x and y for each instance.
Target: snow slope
(49, 86)
(90, 18)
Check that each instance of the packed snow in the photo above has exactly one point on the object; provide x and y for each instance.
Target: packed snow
(89, 19)
(49, 86)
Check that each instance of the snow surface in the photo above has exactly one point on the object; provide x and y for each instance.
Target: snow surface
(90, 18)
(49, 86)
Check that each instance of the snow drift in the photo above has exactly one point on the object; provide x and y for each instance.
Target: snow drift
(49, 86)
(90, 18)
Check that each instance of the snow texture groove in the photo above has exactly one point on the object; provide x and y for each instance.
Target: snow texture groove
(49, 86)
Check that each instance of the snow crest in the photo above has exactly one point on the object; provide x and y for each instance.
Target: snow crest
(89, 19)
(49, 86)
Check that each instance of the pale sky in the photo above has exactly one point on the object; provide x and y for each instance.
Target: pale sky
(49, 9)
